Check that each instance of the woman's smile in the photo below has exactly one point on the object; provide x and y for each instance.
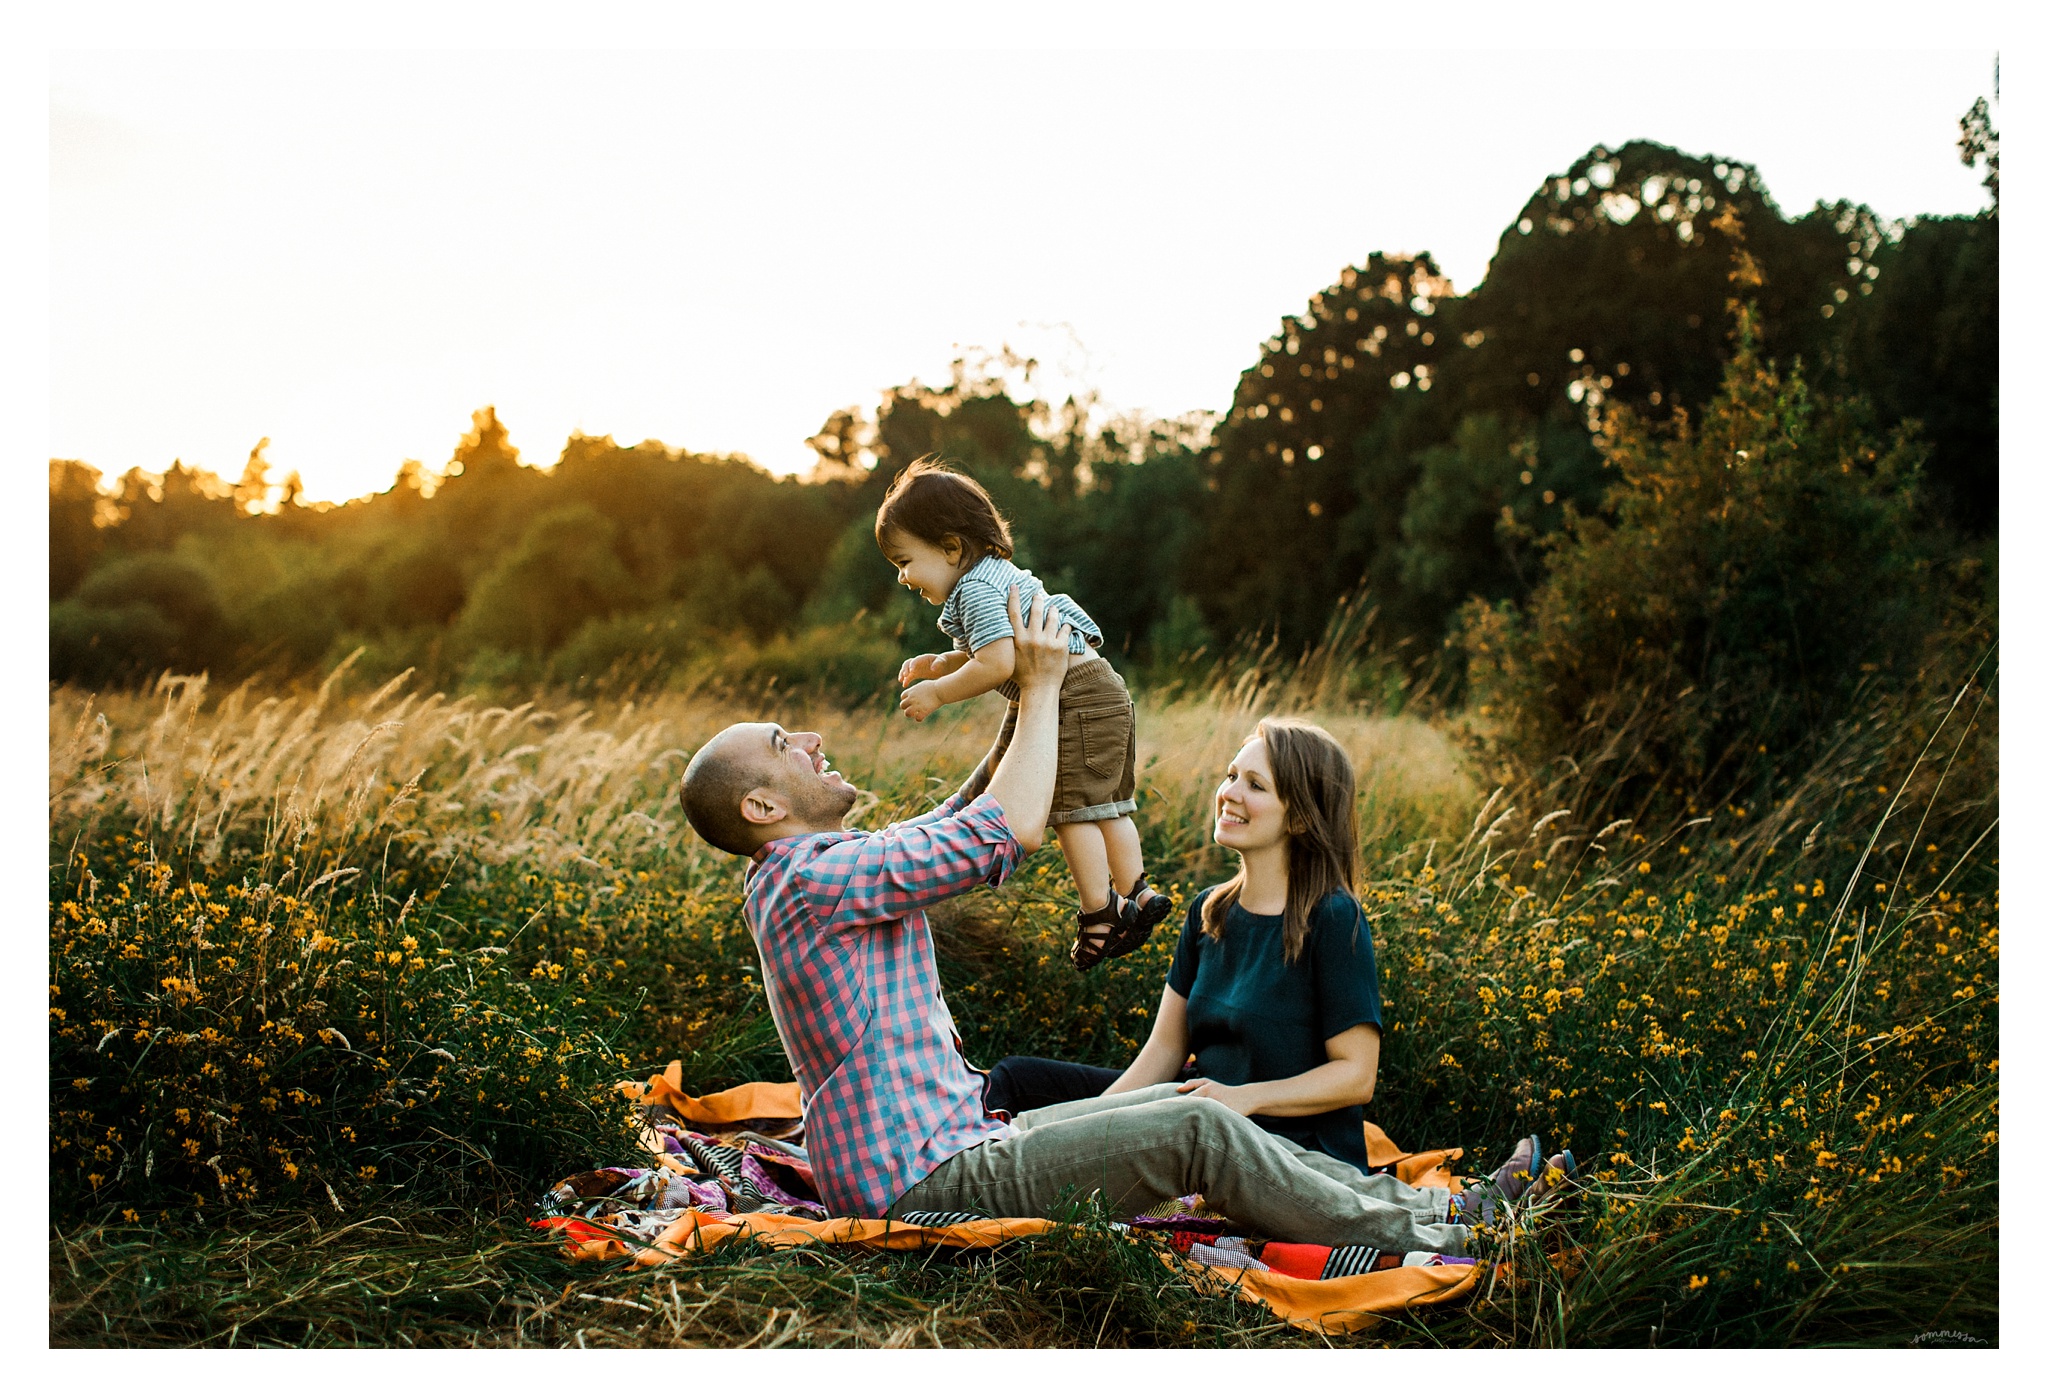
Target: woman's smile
(1249, 813)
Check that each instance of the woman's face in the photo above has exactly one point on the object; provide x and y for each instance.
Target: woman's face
(1249, 814)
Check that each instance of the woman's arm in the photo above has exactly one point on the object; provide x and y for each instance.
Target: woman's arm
(1347, 1080)
(1166, 1047)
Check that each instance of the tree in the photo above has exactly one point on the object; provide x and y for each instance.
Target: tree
(1923, 347)
(76, 507)
(1921, 341)
(135, 616)
(1756, 564)
(1304, 464)
(562, 573)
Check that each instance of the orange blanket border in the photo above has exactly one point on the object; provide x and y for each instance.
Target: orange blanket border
(1338, 1305)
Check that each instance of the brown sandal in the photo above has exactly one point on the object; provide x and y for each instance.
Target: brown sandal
(1136, 921)
(1130, 926)
(1088, 950)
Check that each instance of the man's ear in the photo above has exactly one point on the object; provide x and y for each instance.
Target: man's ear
(763, 806)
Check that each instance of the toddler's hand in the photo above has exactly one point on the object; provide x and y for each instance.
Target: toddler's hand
(920, 701)
(918, 667)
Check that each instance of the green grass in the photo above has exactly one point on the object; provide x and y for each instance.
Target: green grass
(293, 1105)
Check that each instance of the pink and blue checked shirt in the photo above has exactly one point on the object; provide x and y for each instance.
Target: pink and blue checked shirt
(852, 983)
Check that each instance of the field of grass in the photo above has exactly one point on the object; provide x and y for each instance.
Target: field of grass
(340, 982)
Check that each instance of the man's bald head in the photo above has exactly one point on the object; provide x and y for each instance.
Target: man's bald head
(755, 782)
(717, 781)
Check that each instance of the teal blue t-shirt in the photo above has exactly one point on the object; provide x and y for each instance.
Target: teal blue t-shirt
(1255, 1017)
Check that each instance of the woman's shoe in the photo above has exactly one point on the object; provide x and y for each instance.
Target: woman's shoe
(1560, 1174)
(1482, 1200)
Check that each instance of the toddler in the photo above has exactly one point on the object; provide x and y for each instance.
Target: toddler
(951, 546)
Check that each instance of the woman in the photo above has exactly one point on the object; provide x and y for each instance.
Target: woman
(1273, 987)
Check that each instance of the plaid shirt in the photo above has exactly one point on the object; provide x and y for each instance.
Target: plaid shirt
(854, 989)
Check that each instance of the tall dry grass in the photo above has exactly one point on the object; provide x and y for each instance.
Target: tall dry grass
(560, 782)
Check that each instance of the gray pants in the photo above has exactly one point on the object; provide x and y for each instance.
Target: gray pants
(1138, 1148)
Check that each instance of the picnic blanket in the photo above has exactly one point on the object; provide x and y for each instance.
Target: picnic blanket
(731, 1165)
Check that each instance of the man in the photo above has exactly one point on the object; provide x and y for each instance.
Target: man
(893, 1115)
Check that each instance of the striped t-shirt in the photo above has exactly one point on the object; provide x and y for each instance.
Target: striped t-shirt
(977, 611)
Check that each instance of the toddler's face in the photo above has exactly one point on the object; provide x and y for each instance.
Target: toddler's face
(926, 568)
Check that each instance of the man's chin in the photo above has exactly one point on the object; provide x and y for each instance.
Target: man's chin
(835, 796)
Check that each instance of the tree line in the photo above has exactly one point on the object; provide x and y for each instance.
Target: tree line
(1448, 455)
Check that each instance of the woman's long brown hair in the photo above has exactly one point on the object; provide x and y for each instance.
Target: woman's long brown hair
(1318, 786)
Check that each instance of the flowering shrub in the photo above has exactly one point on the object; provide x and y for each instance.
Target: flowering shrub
(1755, 568)
(219, 1040)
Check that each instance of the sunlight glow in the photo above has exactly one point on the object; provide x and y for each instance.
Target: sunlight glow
(347, 253)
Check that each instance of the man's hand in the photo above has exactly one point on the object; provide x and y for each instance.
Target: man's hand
(1041, 644)
(918, 667)
(1242, 1100)
(920, 701)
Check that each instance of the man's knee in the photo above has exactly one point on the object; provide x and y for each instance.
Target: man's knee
(1209, 1119)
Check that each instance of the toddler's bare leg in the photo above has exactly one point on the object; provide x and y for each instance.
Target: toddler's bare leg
(1088, 861)
(1126, 858)
(1126, 855)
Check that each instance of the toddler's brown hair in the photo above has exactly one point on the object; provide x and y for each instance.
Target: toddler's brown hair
(931, 500)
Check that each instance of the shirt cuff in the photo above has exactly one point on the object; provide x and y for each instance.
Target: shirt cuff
(984, 817)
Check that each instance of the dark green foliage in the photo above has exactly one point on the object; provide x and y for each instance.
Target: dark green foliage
(1922, 344)
(562, 573)
(639, 648)
(137, 615)
(1318, 443)
(1755, 566)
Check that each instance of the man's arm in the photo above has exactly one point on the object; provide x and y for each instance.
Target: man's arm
(885, 876)
(1024, 778)
(977, 782)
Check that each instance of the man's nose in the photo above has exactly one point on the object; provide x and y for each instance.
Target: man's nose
(808, 742)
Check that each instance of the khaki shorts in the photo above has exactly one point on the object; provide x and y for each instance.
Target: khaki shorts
(1098, 746)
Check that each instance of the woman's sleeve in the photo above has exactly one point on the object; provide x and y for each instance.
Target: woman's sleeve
(1187, 954)
(1347, 977)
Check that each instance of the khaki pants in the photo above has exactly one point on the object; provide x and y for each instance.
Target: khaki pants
(1137, 1148)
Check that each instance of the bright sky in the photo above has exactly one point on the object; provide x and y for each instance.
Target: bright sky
(349, 252)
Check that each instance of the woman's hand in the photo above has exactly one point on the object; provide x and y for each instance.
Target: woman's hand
(1242, 1100)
